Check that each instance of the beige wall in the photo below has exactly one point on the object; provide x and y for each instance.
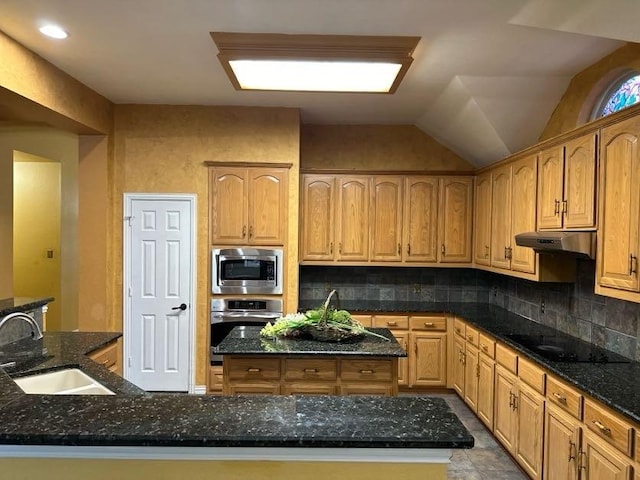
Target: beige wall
(586, 88)
(36, 230)
(375, 147)
(61, 147)
(161, 149)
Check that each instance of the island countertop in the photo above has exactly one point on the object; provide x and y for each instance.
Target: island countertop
(247, 341)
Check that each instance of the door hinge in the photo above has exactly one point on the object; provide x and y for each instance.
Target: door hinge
(129, 291)
(129, 362)
(129, 219)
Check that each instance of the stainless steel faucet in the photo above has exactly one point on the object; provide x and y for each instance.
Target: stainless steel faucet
(36, 333)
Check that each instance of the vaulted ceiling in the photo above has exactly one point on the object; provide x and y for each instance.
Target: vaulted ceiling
(486, 77)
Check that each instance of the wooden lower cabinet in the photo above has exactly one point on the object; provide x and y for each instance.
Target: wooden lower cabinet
(504, 421)
(214, 384)
(458, 360)
(486, 369)
(471, 376)
(562, 436)
(600, 461)
(529, 414)
(403, 363)
(109, 356)
(309, 375)
(429, 365)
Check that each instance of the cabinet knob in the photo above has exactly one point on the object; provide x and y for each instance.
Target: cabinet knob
(408, 249)
(244, 231)
(399, 249)
(331, 248)
(443, 249)
(250, 231)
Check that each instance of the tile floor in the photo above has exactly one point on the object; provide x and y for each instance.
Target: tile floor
(486, 460)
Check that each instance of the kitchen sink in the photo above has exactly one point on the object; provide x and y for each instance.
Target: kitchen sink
(70, 381)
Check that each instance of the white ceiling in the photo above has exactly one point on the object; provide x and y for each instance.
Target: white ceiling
(486, 77)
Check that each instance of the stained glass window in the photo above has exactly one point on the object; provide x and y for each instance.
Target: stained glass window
(626, 94)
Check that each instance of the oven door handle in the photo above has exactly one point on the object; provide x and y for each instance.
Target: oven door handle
(265, 316)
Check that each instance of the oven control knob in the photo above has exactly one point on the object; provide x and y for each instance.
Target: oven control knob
(183, 306)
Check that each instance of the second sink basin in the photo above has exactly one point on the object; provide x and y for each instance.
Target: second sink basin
(70, 381)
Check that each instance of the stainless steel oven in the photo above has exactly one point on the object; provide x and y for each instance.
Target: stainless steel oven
(227, 313)
(246, 271)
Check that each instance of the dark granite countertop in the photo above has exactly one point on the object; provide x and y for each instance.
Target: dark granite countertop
(247, 341)
(21, 304)
(136, 418)
(616, 385)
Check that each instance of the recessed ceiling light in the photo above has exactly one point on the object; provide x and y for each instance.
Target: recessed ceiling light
(315, 63)
(53, 31)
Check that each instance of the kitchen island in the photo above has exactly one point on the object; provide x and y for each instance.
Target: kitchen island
(364, 366)
(135, 434)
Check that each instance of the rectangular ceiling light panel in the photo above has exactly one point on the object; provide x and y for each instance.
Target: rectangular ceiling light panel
(314, 63)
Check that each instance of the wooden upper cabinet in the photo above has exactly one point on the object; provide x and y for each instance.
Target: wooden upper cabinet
(267, 213)
(579, 209)
(523, 212)
(420, 219)
(229, 189)
(352, 218)
(618, 235)
(318, 205)
(482, 230)
(248, 205)
(501, 217)
(550, 188)
(566, 185)
(455, 215)
(386, 216)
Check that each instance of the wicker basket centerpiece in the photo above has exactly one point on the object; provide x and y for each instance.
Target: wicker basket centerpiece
(324, 324)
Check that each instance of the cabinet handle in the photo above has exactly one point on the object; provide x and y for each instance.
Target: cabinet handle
(486, 251)
(572, 451)
(254, 370)
(399, 249)
(443, 249)
(464, 358)
(331, 248)
(250, 231)
(565, 207)
(470, 338)
(106, 362)
(604, 430)
(458, 331)
(429, 324)
(515, 402)
(244, 231)
(556, 207)
(560, 398)
(511, 400)
(510, 249)
(484, 347)
(506, 254)
(368, 372)
(310, 370)
(408, 249)
(633, 264)
(340, 248)
(392, 324)
(478, 370)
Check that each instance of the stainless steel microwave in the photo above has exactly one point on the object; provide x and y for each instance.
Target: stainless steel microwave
(246, 270)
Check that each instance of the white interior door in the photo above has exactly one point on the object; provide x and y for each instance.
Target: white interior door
(159, 266)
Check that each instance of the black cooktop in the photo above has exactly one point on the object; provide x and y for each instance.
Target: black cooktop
(563, 348)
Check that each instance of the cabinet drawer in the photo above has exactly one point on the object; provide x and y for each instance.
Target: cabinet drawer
(366, 389)
(106, 356)
(507, 358)
(532, 375)
(567, 398)
(428, 323)
(459, 327)
(252, 369)
(609, 426)
(308, 389)
(215, 380)
(487, 345)
(472, 335)
(310, 369)
(365, 320)
(392, 322)
(366, 370)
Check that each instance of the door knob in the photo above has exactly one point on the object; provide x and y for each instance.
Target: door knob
(183, 306)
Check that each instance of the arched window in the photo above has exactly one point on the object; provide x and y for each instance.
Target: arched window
(622, 93)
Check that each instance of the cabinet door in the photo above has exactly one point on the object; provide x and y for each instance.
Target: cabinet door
(386, 219)
(403, 363)
(523, 212)
(229, 205)
(430, 359)
(618, 235)
(318, 205)
(458, 364)
(486, 367)
(267, 206)
(471, 377)
(561, 445)
(601, 462)
(456, 194)
(579, 209)
(420, 219)
(482, 230)
(504, 419)
(352, 218)
(550, 184)
(529, 414)
(501, 217)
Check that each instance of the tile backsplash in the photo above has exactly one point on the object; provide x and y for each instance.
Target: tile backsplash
(570, 307)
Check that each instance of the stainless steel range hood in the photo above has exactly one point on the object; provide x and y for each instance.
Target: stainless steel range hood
(580, 244)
